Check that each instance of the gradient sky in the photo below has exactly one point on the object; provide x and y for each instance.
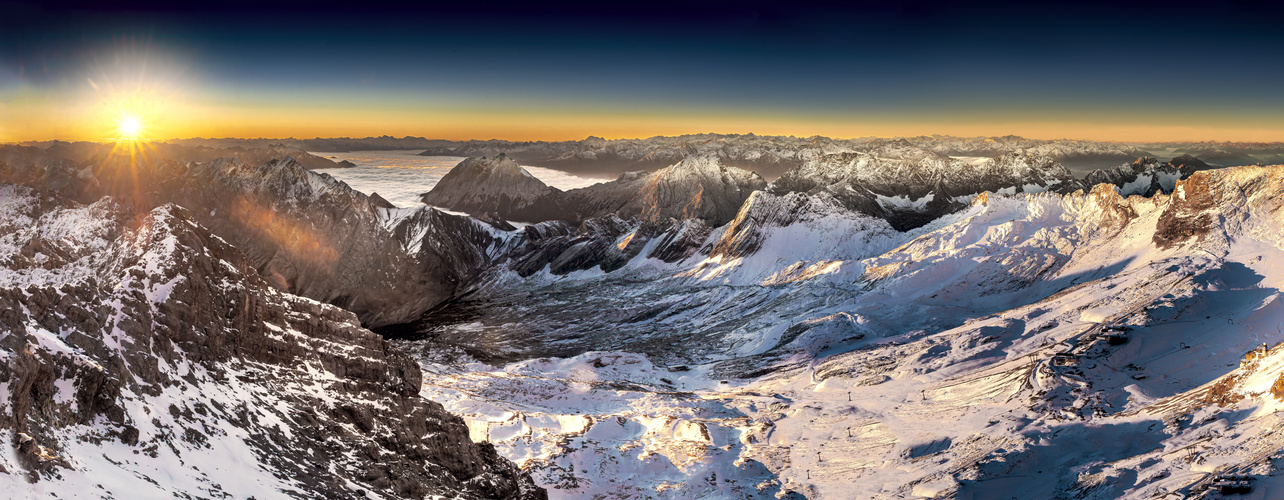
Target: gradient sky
(1094, 70)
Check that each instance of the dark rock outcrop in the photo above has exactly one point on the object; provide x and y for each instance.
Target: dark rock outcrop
(606, 243)
(497, 185)
(696, 187)
(1144, 177)
(1189, 214)
(1188, 164)
(305, 232)
(147, 329)
(910, 187)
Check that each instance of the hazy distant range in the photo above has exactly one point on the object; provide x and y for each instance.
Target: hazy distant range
(770, 156)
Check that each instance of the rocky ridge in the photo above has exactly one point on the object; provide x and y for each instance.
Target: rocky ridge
(697, 187)
(829, 356)
(908, 186)
(133, 341)
(305, 232)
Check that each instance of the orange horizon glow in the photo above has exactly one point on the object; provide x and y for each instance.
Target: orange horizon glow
(305, 124)
(163, 109)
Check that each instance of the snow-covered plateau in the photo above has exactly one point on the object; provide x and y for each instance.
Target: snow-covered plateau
(883, 323)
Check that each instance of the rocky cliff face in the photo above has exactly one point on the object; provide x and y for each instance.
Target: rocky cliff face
(1144, 177)
(314, 236)
(909, 186)
(141, 355)
(304, 232)
(697, 187)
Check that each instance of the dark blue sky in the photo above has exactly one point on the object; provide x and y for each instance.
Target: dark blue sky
(905, 64)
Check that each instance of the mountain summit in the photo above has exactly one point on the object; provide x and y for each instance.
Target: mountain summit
(700, 187)
(481, 185)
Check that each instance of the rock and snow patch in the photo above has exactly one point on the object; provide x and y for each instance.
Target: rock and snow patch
(146, 358)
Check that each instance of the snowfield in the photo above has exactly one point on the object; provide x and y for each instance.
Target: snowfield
(1034, 345)
(1039, 342)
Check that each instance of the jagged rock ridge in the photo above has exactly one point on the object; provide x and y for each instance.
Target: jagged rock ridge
(696, 187)
(141, 355)
(305, 232)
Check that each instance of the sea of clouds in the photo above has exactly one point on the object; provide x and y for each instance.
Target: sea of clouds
(401, 176)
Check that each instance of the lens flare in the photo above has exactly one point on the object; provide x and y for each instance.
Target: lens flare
(130, 127)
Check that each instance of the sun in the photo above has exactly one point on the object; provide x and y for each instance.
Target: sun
(130, 127)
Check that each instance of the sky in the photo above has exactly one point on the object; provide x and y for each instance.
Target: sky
(560, 71)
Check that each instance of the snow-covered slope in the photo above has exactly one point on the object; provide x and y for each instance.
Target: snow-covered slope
(832, 357)
(910, 186)
(141, 356)
(1021, 337)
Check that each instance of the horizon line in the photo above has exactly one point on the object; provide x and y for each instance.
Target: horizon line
(626, 138)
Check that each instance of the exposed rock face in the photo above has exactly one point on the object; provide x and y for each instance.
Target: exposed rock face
(1189, 214)
(480, 185)
(681, 241)
(699, 187)
(1144, 177)
(306, 233)
(1188, 164)
(605, 242)
(696, 187)
(765, 211)
(313, 236)
(143, 331)
(909, 187)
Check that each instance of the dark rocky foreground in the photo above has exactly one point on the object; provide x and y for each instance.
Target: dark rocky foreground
(141, 336)
(150, 333)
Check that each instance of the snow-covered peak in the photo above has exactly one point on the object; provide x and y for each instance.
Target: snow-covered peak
(696, 187)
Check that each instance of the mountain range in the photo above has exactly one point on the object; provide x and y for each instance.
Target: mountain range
(906, 185)
(888, 321)
(769, 156)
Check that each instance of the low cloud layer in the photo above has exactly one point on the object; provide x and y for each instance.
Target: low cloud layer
(401, 176)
